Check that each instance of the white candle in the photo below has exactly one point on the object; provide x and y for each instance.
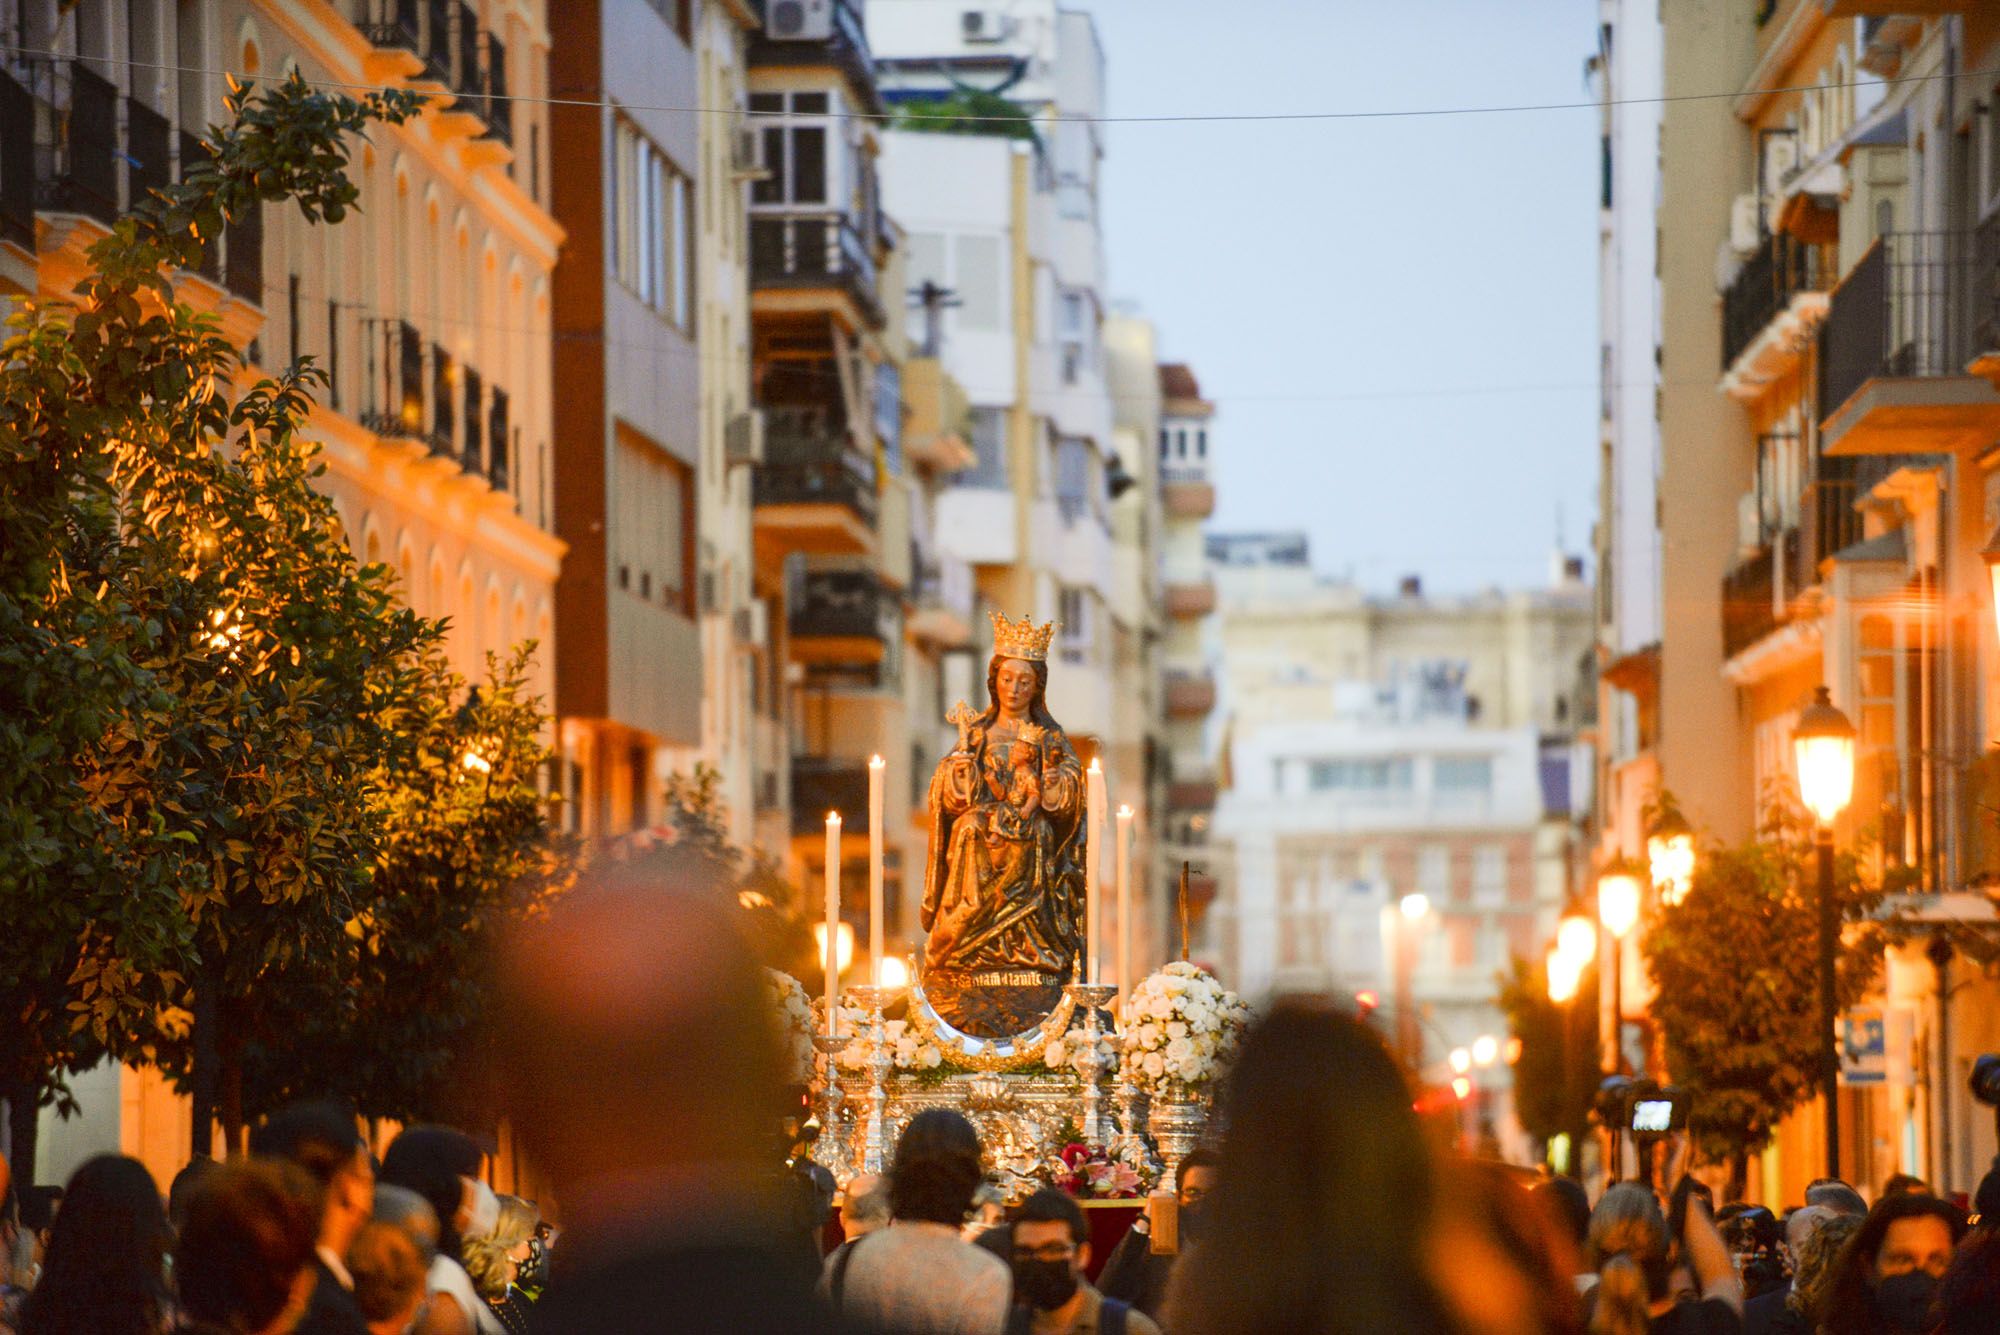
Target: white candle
(876, 773)
(1093, 849)
(832, 922)
(1124, 898)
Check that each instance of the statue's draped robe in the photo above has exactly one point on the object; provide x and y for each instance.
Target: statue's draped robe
(1003, 894)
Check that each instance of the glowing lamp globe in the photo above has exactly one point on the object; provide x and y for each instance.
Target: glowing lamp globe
(1461, 1060)
(1485, 1050)
(1670, 856)
(1618, 902)
(1823, 746)
(1415, 906)
(1563, 979)
(1576, 938)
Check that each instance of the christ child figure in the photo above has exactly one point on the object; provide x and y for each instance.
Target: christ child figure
(1021, 793)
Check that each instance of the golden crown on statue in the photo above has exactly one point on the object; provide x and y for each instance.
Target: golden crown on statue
(1022, 639)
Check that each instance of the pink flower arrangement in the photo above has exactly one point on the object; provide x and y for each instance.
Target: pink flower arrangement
(1090, 1171)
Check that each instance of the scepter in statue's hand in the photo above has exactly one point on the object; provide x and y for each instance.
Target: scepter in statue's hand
(962, 714)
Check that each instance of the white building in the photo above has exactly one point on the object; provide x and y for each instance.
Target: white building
(1382, 747)
(1003, 228)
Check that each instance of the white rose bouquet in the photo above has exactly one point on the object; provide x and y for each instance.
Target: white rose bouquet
(787, 1000)
(1179, 1030)
(908, 1049)
(1071, 1052)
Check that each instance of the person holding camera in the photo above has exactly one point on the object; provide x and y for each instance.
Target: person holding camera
(1636, 1252)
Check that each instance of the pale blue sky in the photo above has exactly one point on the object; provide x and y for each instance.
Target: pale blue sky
(1345, 289)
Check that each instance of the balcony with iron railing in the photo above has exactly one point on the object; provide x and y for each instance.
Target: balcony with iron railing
(1749, 601)
(815, 492)
(1769, 309)
(72, 143)
(816, 250)
(415, 391)
(821, 784)
(844, 614)
(1905, 324)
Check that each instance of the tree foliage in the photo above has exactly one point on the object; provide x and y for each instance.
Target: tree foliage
(219, 737)
(1556, 1075)
(1735, 971)
(391, 1018)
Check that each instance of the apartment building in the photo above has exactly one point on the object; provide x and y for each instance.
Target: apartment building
(1626, 73)
(630, 676)
(429, 308)
(1827, 421)
(1004, 231)
(1379, 747)
(1188, 600)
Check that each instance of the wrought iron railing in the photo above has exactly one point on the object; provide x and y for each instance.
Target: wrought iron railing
(808, 458)
(1917, 304)
(1749, 602)
(1782, 267)
(811, 249)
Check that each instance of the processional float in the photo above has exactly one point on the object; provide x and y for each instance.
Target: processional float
(1005, 1016)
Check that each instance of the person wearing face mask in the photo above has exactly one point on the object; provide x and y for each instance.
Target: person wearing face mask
(1887, 1277)
(1051, 1296)
(1134, 1273)
(442, 1165)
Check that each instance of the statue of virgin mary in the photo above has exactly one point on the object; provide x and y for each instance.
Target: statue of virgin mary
(1003, 881)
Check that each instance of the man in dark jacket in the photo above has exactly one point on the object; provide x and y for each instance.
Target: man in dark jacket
(1135, 1273)
(641, 1074)
(323, 1139)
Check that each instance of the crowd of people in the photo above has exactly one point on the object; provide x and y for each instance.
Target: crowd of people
(642, 1077)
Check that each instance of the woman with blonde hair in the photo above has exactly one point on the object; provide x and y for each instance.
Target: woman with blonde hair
(494, 1261)
(1635, 1259)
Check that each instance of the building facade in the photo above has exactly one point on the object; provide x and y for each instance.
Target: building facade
(1004, 232)
(429, 307)
(1384, 747)
(628, 353)
(1826, 422)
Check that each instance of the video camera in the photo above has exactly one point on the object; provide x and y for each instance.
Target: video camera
(1646, 1108)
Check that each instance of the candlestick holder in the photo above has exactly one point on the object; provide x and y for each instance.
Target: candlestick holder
(1088, 998)
(874, 1140)
(831, 1150)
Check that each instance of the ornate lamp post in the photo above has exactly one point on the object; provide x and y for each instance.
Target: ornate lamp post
(1823, 745)
(1618, 911)
(1670, 856)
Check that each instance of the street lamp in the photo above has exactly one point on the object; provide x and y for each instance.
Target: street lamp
(1412, 910)
(1618, 910)
(1564, 974)
(1823, 745)
(1576, 938)
(1670, 855)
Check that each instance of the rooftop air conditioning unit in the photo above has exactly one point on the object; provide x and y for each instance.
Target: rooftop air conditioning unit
(799, 20)
(743, 439)
(983, 25)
